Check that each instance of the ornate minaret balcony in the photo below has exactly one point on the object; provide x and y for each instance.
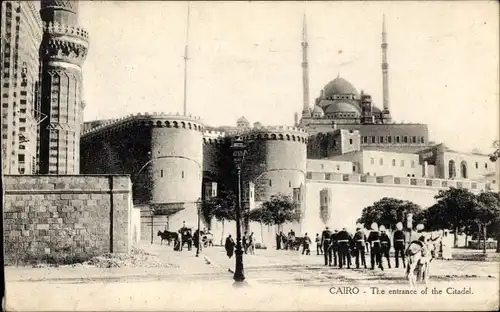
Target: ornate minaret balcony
(66, 43)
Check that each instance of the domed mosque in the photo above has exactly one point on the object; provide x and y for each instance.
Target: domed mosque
(339, 100)
(341, 106)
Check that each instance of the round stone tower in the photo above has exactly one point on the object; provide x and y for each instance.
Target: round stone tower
(176, 167)
(62, 52)
(275, 161)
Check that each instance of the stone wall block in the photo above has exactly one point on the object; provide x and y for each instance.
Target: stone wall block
(78, 217)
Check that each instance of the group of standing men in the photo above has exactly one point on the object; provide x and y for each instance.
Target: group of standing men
(339, 246)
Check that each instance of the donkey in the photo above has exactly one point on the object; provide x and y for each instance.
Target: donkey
(168, 236)
(420, 254)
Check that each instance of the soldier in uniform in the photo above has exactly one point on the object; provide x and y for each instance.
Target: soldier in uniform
(305, 244)
(374, 241)
(319, 248)
(385, 242)
(344, 241)
(325, 241)
(334, 247)
(399, 240)
(360, 246)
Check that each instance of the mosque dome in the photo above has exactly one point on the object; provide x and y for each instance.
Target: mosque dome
(242, 122)
(318, 112)
(342, 107)
(242, 119)
(339, 86)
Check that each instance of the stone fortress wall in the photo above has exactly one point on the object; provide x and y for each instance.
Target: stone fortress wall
(171, 157)
(68, 216)
(275, 161)
(180, 160)
(164, 155)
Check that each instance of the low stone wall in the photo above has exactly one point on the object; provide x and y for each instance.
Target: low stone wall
(71, 216)
(474, 186)
(490, 244)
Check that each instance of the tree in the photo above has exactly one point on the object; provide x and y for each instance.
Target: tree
(494, 230)
(278, 210)
(222, 207)
(487, 213)
(389, 211)
(262, 216)
(496, 153)
(208, 208)
(455, 209)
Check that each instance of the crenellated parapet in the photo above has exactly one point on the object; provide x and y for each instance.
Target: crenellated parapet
(283, 133)
(65, 30)
(155, 119)
(214, 137)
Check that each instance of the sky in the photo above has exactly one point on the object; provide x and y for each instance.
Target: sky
(245, 60)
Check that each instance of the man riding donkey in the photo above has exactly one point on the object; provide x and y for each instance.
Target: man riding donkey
(420, 253)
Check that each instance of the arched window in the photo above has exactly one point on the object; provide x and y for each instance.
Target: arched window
(463, 169)
(451, 169)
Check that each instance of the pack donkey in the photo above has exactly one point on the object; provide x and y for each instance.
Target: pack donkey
(168, 236)
(420, 254)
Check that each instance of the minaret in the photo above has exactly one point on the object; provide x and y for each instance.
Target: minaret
(385, 74)
(306, 112)
(62, 52)
(186, 58)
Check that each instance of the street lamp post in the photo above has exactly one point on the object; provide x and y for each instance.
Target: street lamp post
(152, 217)
(238, 153)
(198, 204)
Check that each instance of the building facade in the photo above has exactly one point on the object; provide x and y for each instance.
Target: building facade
(21, 33)
(342, 147)
(62, 52)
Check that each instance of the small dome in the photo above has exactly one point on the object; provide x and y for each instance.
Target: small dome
(339, 86)
(257, 125)
(242, 122)
(342, 107)
(318, 112)
(242, 119)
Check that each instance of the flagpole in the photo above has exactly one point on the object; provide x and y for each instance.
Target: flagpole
(186, 58)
